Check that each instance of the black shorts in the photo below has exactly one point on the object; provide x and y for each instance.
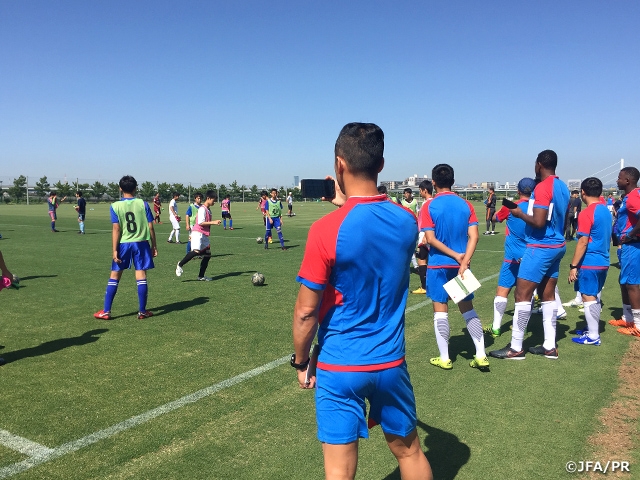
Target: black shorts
(422, 253)
(226, 214)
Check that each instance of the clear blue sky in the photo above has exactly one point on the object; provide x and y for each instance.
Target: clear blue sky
(257, 91)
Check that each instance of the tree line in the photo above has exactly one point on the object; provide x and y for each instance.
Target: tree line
(146, 190)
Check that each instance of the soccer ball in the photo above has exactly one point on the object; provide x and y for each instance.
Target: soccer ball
(257, 279)
(259, 239)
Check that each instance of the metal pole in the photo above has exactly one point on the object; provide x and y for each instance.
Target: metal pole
(189, 192)
(27, 190)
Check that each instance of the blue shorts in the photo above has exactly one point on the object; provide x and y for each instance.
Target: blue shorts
(276, 224)
(590, 281)
(436, 278)
(508, 274)
(538, 263)
(630, 264)
(341, 412)
(137, 254)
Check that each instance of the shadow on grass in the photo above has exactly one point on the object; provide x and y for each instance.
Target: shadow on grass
(222, 276)
(178, 306)
(33, 277)
(446, 453)
(54, 346)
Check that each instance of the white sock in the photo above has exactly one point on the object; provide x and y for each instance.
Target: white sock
(636, 317)
(549, 320)
(177, 236)
(171, 235)
(521, 315)
(441, 327)
(626, 313)
(414, 262)
(578, 298)
(560, 308)
(599, 297)
(499, 306)
(592, 314)
(474, 327)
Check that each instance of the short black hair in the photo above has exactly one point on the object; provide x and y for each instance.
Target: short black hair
(576, 192)
(128, 184)
(632, 173)
(198, 194)
(548, 159)
(274, 189)
(175, 194)
(408, 190)
(382, 189)
(212, 194)
(227, 196)
(263, 193)
(79, 193)
(592, 187)
(52, 193)
(361, 145)
(426, 185)
(443, 175)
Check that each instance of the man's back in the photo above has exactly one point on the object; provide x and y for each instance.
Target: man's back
(365, 282)
(552, 195)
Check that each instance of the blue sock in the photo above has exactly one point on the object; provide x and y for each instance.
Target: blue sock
(142, 294)
(112, 289)
(82, 227)
(281, 238)
(188, 246)
(53, 225)
(224, 222)
(231, 223)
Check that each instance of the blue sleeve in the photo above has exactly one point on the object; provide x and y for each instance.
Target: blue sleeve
(188, 212)
(114, 217)
(147, 210)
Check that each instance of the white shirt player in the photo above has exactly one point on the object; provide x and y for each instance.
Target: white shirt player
(173, 207)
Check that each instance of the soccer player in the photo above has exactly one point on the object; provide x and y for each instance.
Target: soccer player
(422, 255)
(408, 201)
(262, 206)
(132, 229)
(81, 208)
(451, 230)
(541, 260)
(290, 205)
(382, 189)
(174, 218)
(225, 206)
(359, 301)
(54, 203)
(629, 227)
(571, 222)
(590, 263)
(491, 210)
(273, 210)
(190, 216)
(4, 270)
(514, 246)
(157, 207)
(200, 232)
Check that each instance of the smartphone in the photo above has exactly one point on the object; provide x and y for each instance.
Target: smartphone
(509, 204)
(318, 188)
(313, 364)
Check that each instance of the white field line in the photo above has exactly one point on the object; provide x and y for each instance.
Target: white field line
(39, 454)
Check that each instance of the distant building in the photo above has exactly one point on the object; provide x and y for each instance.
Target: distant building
(574, 184)
(296, 181)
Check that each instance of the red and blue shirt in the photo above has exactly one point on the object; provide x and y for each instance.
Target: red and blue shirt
(359, 255)
(629, 212)
(595, 222)
(515, 241)
(552, 195)
(449, 217)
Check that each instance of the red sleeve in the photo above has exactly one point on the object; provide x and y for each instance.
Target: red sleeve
(472, 216)
(544, 193)
(427, 221)
(502, 214)
(585, 220)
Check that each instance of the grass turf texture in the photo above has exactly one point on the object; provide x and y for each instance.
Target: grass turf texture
(70, 375)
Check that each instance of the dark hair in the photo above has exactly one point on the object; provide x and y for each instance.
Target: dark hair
(361, 145)
(79, 193)
(52, 193)
(128, 184)
(274, 189)
(491, 189)
(426, 185)
(212, 194)
(592, 187)
(198, 194)
(442, 175)
(548, 159)
(227, 196)
(408, 190)
(175, 194)
(382, 189)
(575, 192)
(632, 173)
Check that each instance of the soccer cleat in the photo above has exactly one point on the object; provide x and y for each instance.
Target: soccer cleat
(480, 363)
(419, 290)
(270, 240)
(494, 233)
(630, 331)
(494, 332)
(581, 332)
(145, 314)
(179, 270)
(586, 340)
(169, 241)
(205, 279)
(487, 233)
(621, 322)
(102, 315)
(230, 228)
(444, 364)
(561, 316)
(572, 303)
(284, 248)
(508, 353)
(540, 350)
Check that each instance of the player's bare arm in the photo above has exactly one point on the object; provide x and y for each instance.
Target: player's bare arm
(305, 324)
(212, 222)
(152, 234)
(115, 241)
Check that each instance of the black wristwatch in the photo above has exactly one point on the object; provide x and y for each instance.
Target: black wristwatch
(299, 366)
(572, 267)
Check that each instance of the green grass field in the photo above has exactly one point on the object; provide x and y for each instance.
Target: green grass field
(80, 396)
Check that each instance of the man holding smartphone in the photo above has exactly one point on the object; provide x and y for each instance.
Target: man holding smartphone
(356, 302)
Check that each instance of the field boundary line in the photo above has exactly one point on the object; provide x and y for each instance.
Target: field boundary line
(39, 454)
